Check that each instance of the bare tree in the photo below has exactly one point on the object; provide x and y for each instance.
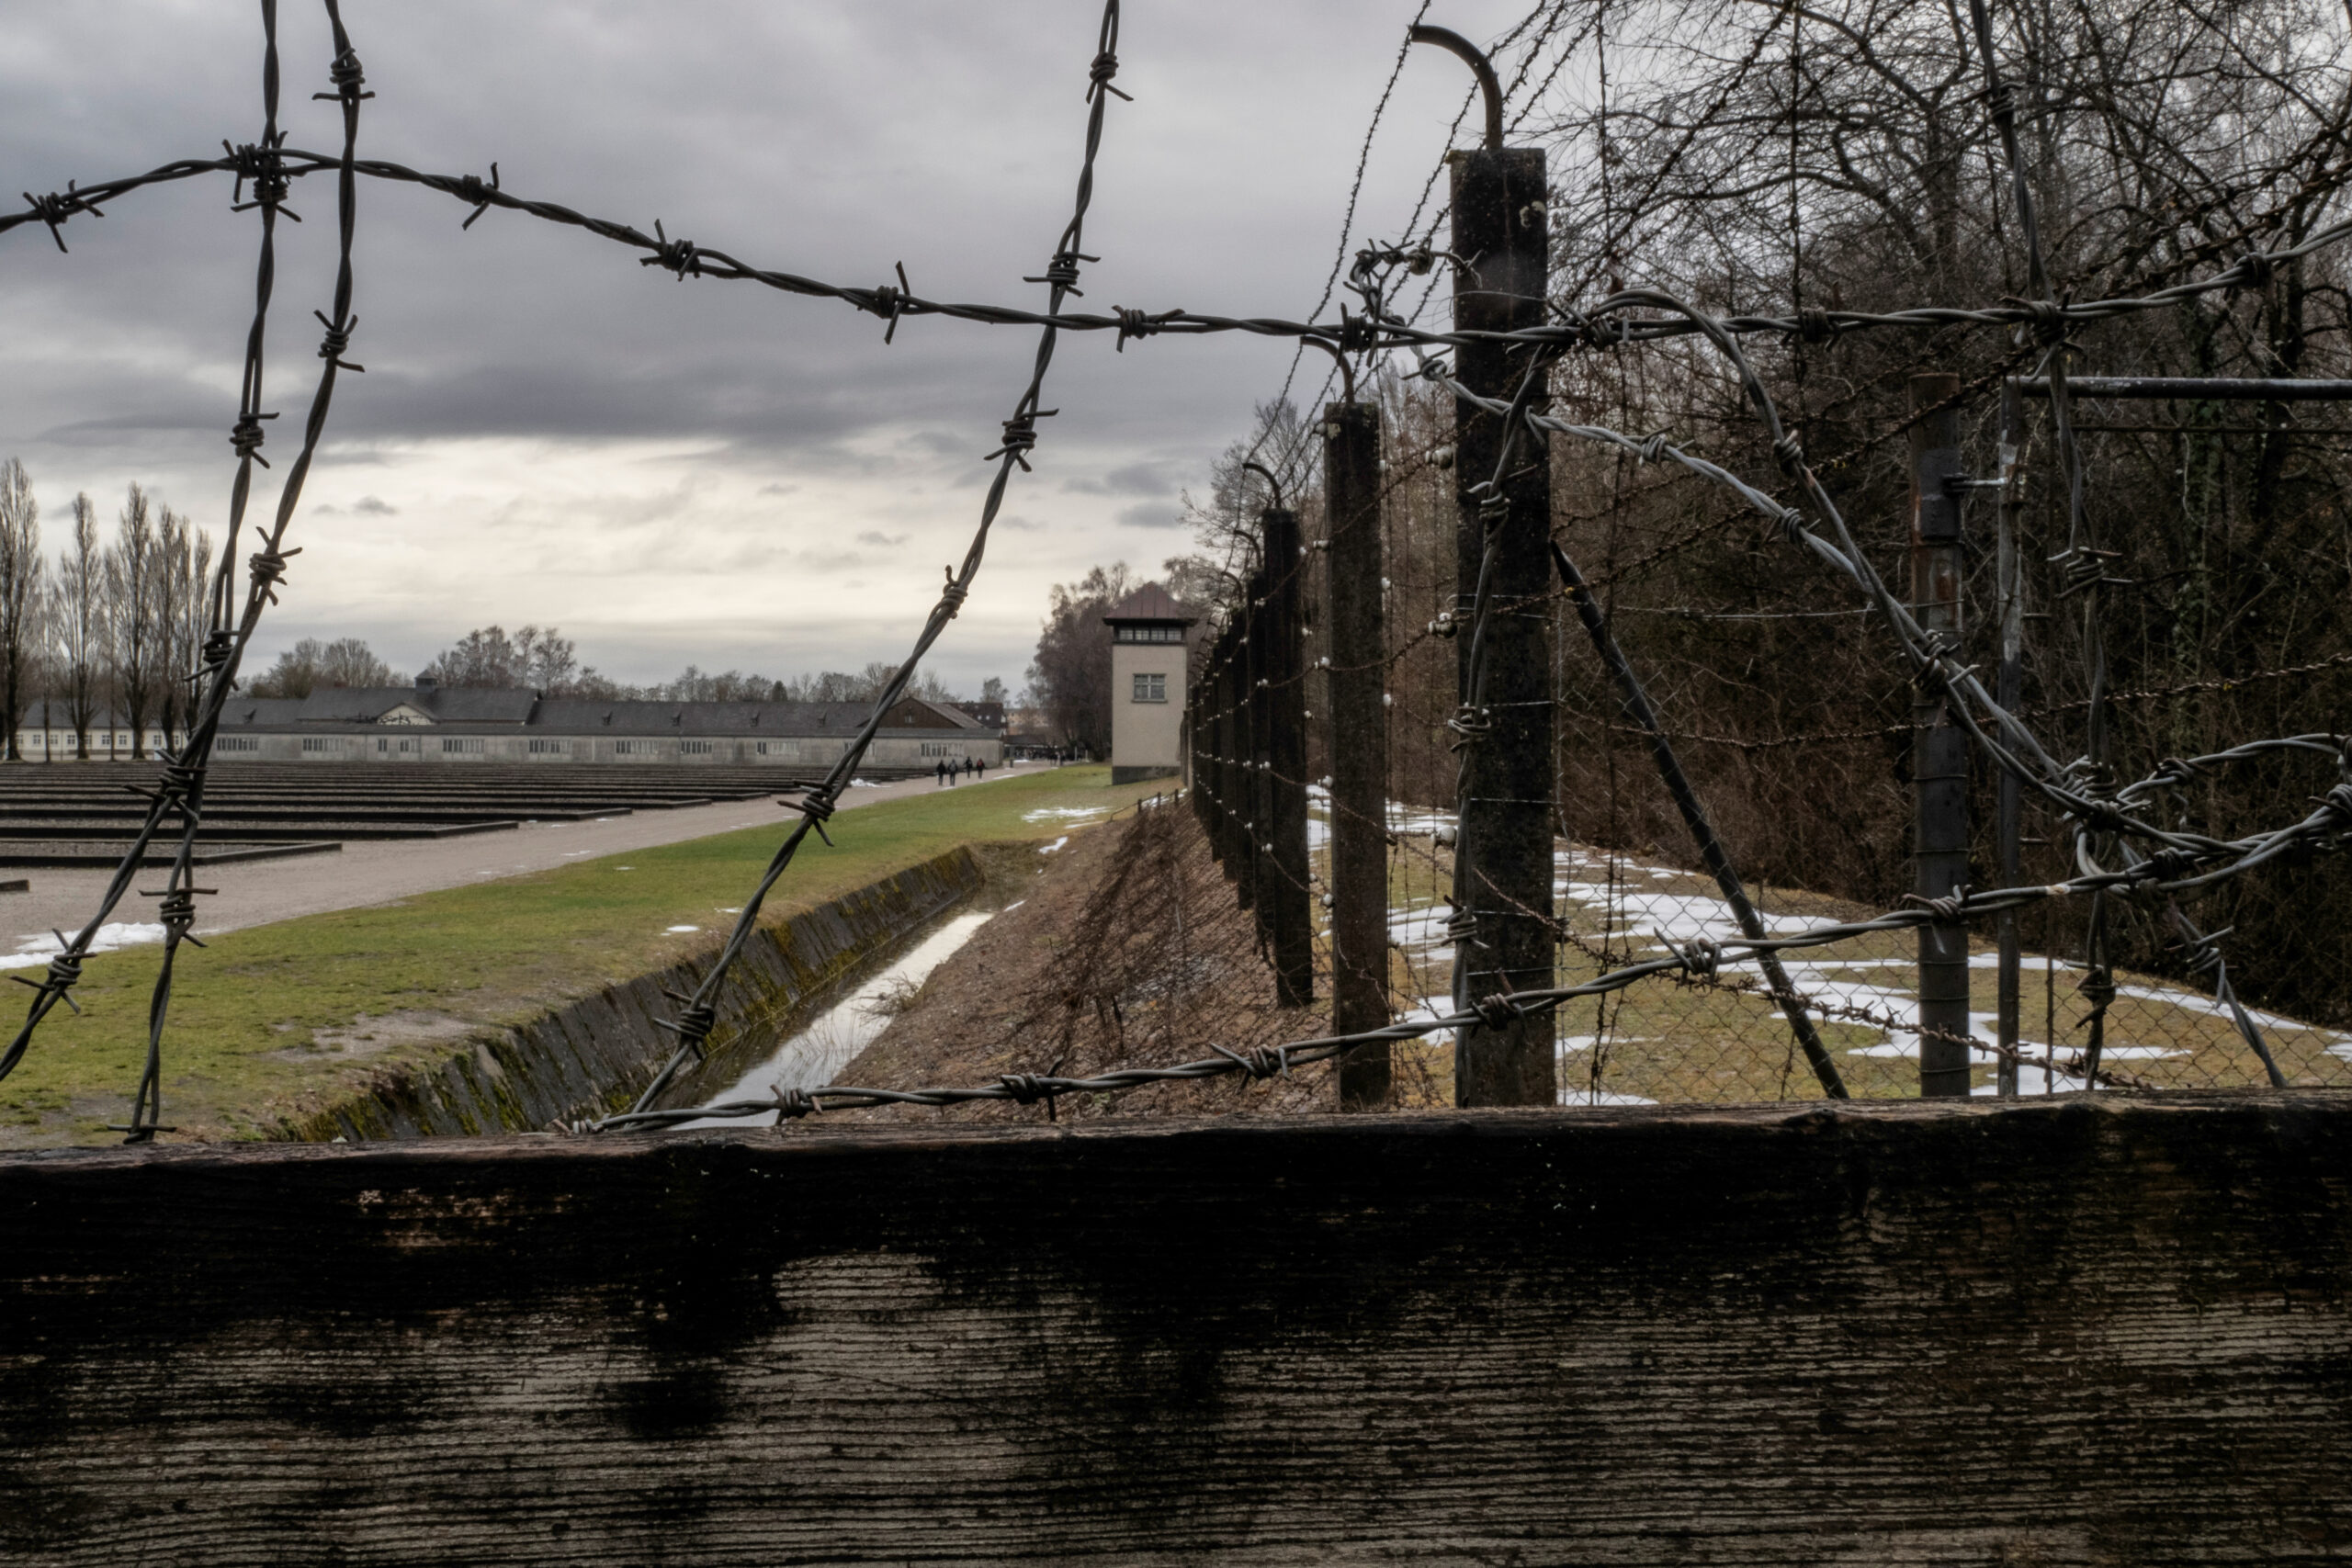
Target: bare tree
(134, 577)
(312, 665)
(21, 599)
(1072, 671)
(77, 623)
(539, 658)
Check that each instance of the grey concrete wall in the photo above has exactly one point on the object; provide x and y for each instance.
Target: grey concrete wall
(1146, 736)
(2059, 1333)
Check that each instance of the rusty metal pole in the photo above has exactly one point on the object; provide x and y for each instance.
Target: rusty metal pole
(1503, 867)
(1940, 747)
(1357, 725)
(1285, 895)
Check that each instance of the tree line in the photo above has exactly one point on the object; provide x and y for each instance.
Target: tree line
(1839, 155)
(541, 659)
(109, 625)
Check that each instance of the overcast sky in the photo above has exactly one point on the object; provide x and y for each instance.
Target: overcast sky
(549, 433)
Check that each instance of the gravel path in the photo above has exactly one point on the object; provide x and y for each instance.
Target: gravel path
(258, 891)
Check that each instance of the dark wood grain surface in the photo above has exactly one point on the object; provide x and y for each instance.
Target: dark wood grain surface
(2117, 1332)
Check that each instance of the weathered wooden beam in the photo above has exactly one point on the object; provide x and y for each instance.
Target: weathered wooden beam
(2079, 1331)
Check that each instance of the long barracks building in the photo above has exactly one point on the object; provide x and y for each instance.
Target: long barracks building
(427, 724)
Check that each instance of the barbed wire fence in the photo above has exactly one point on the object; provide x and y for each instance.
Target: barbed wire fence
(2122, 855)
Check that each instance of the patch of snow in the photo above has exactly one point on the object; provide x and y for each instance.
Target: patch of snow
(36, 949)
(1057, 843)
(673, 930)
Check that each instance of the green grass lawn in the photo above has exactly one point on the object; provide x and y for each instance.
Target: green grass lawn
(247, 1008)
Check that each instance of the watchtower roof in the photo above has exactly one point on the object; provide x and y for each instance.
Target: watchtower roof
(1149, 603)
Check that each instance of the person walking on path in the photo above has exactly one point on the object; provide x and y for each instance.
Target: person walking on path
(939, 774)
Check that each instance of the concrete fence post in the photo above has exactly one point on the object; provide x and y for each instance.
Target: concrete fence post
(1357, 726)
(1939, 746)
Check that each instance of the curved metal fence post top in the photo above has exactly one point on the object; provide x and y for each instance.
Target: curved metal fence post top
(1475, 57)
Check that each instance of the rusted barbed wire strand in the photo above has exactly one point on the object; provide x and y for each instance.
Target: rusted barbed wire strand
(181, 789)
(1603, 323)
(698, 1013)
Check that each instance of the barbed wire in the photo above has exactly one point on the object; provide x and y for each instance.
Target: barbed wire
(179, 791)
(2117, 849)
(699, 1012)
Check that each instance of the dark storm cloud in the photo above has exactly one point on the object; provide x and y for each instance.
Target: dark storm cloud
(833, 140)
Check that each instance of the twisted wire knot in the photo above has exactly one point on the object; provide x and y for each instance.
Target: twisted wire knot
(1027, 1088)
(2337, 804)
(952, 597)
(65, 973)
(1498, 1011)
(1814, 325)
(1358, 335)
(818, 806)
(1792, 525)
(2047, 318)
(337, 339)
(2000, 101)
(1062, 271)
(1700, 956)
(1259, 1062)
(1653, 447)
(2082, 568)
(470, 188)
(1788, 454)
(693, 1025)
(2255, 268)
(791, 1104)
(259, 164)
(347, 77)
(2175, 773)
(245, 437)
(1020, 439)
(679, 255)
(217, 646)
(1950, 907)
(2202, 956)
(177, 911)
(2166, 864)
(1462, 925)
(1099, 75)
(1139, 324)
(2098, 987)
(1606, 331)
(55, 208)
(1472, 724)
(178, 786)
(268, 566)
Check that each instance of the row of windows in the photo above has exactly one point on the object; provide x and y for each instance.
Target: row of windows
(65, 738)
(1146, 634)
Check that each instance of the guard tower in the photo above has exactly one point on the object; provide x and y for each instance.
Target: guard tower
(1149, 629)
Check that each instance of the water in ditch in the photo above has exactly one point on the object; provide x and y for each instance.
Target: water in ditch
(832, 1039)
